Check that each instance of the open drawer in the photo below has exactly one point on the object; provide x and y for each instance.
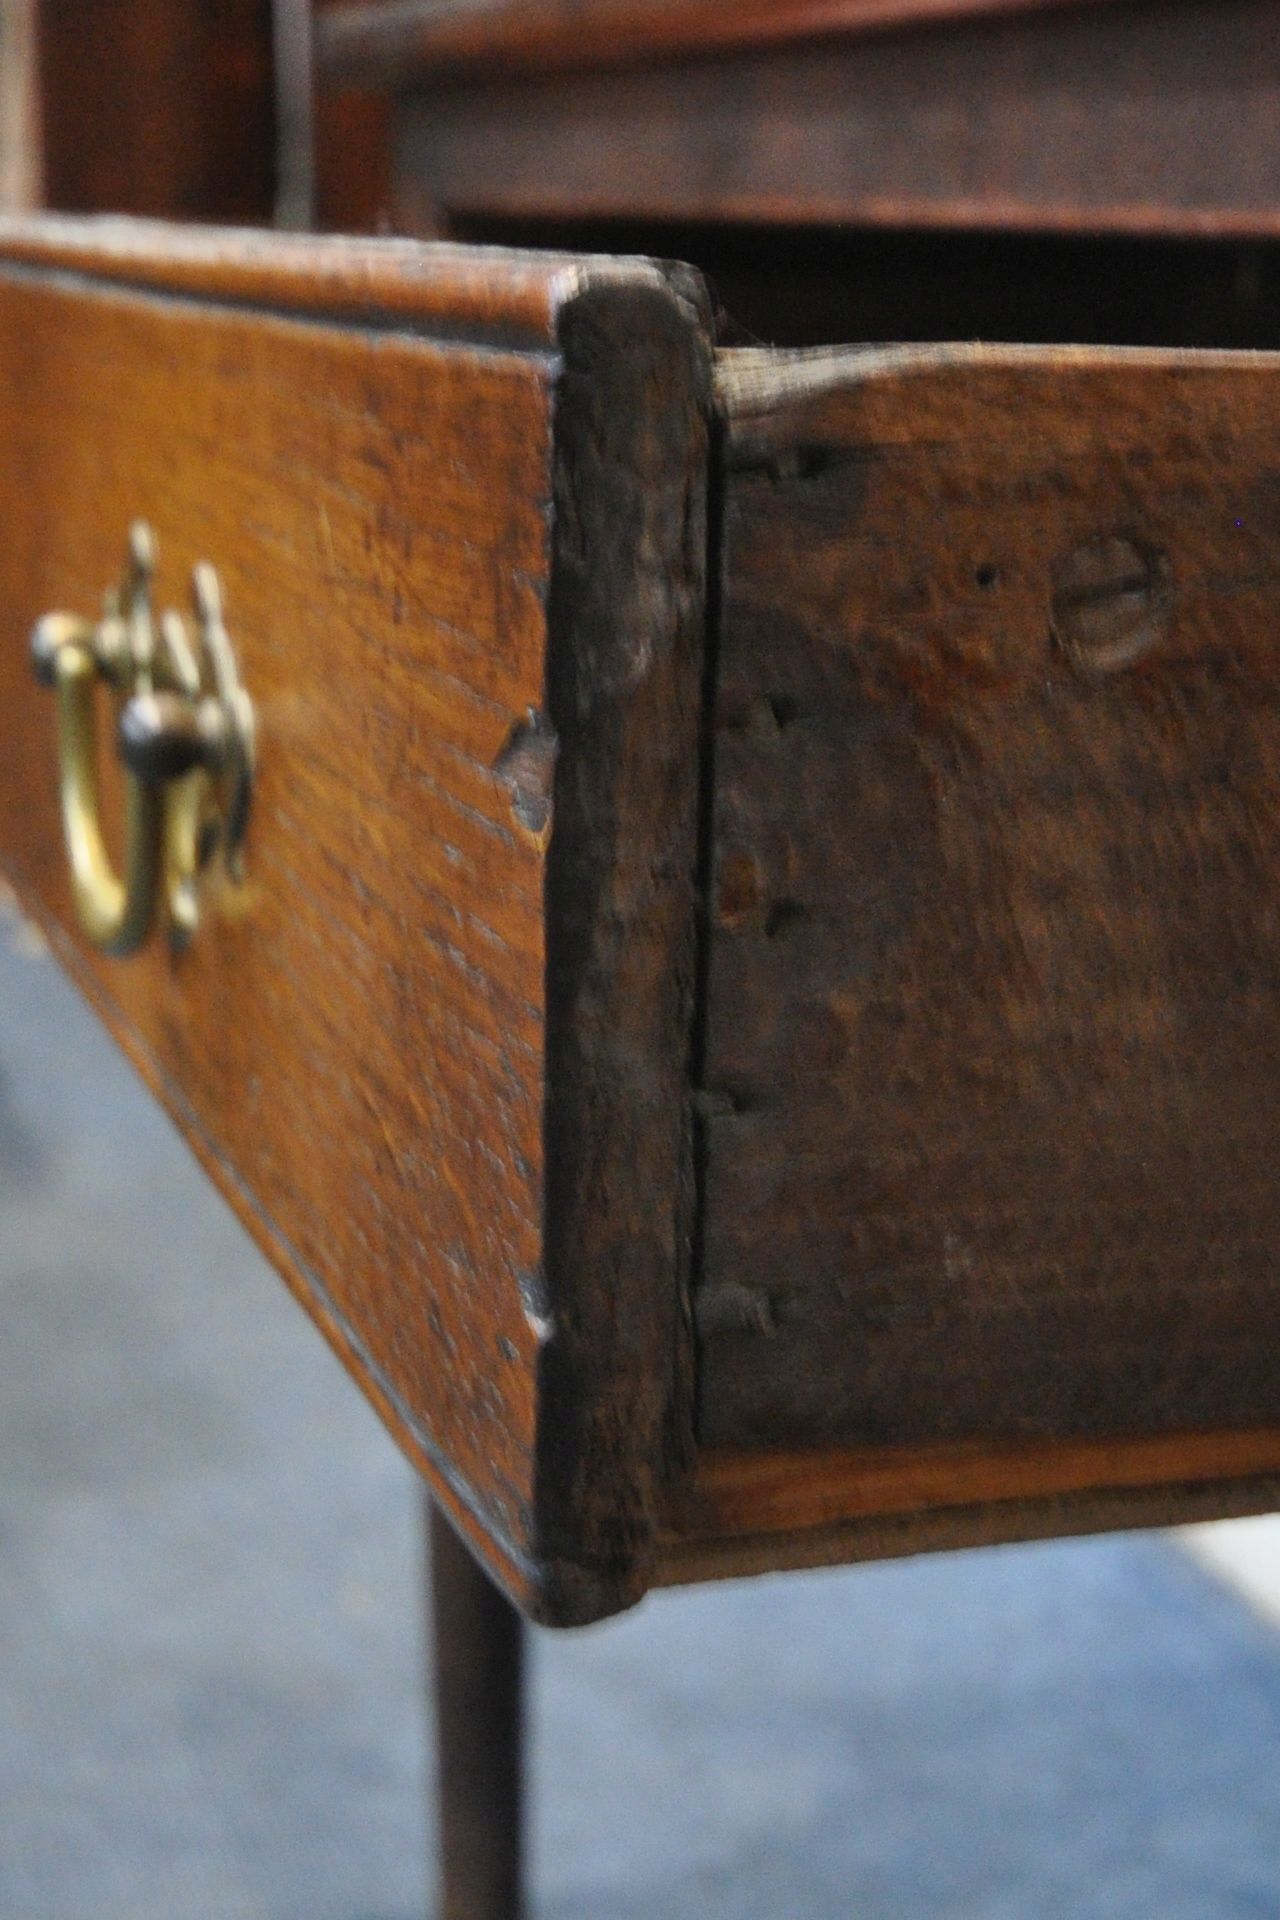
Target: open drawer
(747, 1008)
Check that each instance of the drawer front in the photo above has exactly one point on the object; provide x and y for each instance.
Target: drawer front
(993, 1020)
(365, 1040)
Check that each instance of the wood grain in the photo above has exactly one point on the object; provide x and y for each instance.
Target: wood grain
(1123, 118)
(486, 294)
(993, 1012)
(627, 611)
(369, 1045)
(762, 1512)
(733, 1495)
(391, 41)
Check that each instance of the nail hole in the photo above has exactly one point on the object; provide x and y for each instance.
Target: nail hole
(987, 576)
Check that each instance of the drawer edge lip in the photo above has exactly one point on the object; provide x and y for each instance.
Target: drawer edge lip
(744, 1511)
(490, 295)
(762, 383)
(688, 1560)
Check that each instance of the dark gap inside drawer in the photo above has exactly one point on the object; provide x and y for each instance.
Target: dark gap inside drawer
(799, 287)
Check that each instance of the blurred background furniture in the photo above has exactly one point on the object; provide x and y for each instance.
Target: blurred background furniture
(843, 169)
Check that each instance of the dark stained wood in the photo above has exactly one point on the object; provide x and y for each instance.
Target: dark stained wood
(391, 41)
(760, 1512)
(624, 688)
(989, 1125)
(461, 546)
(1123, 118)
(476, 1641)
(158, 107)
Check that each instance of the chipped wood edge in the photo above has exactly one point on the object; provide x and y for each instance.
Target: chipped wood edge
(746, 1512)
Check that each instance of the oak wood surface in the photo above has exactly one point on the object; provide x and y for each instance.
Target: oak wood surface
(992, 1028)
(777, 1492)
(495, 297)
(382, 41)
(380, 1046)
(759, 1512)
(1132, 118)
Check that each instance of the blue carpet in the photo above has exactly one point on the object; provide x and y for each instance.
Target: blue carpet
(209, 1660)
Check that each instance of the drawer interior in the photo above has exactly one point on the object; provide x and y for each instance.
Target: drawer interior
(803, 286)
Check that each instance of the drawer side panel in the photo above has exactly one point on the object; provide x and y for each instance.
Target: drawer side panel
(993, 1035)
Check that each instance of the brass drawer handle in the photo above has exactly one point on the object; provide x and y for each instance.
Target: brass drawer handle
(185, 737)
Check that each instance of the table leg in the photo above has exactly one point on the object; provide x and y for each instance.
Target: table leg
(476, 1639)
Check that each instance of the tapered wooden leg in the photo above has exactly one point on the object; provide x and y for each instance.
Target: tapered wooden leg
(476, 1639)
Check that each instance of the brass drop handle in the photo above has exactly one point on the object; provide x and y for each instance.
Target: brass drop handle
(185, 735)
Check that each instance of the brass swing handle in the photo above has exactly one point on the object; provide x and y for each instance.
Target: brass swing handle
(185, 736)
